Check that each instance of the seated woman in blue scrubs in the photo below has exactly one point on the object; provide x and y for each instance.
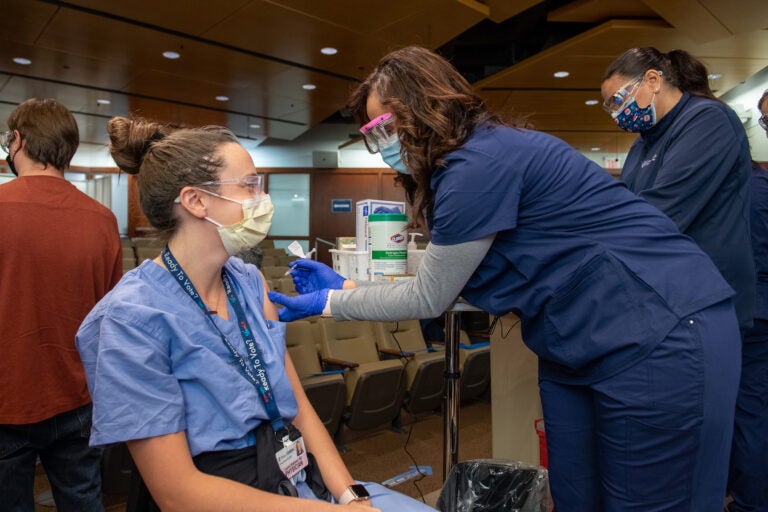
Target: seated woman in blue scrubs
(185, 358)
(636, 334)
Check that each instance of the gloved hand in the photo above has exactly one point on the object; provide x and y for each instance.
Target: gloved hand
(299, 306)
(310, 275)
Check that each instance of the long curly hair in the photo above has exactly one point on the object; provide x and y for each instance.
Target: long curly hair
(434, 108)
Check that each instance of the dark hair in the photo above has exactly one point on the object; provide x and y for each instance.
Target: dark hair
(49, 131)
(678, 67)
(165, 158)
(435, 110)
(762, 100)
(253, 255)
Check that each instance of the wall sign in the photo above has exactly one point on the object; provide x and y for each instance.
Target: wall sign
(341, 205)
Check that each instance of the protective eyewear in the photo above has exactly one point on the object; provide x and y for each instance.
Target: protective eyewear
(6, 138)
(618, 100)
(763, 122)
(253, 183)
(379, 133)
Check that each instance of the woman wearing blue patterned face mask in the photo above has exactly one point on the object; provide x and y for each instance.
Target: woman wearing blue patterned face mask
(691, 159)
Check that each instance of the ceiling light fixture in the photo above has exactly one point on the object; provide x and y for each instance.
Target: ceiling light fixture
(591, 102)
(309, 87)
(102, 101)
(23, 61)
(329, 50)
(255, 126)
(561, 74)
(714, 76)
(222, 98)
(171, 55)
(595, 149)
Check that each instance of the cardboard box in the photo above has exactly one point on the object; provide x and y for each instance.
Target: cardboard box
(365, 208)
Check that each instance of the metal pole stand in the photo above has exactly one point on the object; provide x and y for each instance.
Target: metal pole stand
(451, 399)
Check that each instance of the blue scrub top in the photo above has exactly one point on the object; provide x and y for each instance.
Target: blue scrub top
(694, 166)
(156, 366)
(759, 224)
(597, 275)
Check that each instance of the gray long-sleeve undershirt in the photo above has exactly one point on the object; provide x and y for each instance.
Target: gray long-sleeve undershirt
(442, 274)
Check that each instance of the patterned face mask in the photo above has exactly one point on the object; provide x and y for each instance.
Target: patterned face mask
(634, 119)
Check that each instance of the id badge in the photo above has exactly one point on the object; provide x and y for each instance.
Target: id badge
(292, 457)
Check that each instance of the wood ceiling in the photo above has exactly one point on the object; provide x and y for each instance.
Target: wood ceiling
(259, 53)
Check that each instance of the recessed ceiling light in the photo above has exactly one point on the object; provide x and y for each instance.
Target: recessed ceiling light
(309, 87)
(595, 149)
(561, 74)
(591, 102)
(328, 50)
(23, 61)
(222, 98)
(714, 76)
(171, 55)
(255, 126)
(102, 101)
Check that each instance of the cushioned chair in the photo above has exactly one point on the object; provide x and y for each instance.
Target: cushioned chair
(475, 366)
(492, 485)
(375, 387)
(424, 367)
(326, 391)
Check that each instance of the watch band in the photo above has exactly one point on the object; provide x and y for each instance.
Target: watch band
(355, 492)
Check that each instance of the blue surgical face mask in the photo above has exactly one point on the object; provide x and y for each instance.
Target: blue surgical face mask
(391, 156)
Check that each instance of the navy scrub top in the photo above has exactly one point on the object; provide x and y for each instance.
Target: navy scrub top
(597, 275)
(694, 165)
(759, 224)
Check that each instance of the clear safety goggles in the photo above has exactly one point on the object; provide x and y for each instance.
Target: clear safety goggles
(379, 133)
(6, 138)
(618, 100)
(253, 185)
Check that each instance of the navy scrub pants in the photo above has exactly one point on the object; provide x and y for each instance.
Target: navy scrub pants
(656, 436)
(748, 477)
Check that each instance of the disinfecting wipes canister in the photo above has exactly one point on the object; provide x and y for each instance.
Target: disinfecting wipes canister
(388, 243)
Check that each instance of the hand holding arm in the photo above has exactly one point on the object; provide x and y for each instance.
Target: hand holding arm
(299, 306)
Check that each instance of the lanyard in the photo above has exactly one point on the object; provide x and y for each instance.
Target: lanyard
(258, 375)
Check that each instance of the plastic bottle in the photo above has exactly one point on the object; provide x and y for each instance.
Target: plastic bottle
(414, 254)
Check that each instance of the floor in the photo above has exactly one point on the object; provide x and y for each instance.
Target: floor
(382, 454)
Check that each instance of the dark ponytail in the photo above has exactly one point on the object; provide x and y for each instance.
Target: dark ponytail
(678, 68)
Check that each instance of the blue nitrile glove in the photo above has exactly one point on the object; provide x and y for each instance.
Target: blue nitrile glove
(299, 306)
(384, 209)
(310, 275)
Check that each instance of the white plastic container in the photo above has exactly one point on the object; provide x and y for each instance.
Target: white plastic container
(388, 243)
(351, 264)
(366, 207)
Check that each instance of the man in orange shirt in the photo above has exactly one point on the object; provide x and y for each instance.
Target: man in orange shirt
(59, 254)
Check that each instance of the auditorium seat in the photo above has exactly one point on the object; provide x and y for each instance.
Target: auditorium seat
(326, 391)
(375, 387)
(424, 367)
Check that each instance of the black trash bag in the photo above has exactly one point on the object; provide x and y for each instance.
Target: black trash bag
(492, 485)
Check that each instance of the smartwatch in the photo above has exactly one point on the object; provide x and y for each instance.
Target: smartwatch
(355, 492)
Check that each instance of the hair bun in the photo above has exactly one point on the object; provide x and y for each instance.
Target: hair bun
(130, 139)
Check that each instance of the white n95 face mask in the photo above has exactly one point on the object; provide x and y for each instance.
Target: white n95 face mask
(257, 219)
